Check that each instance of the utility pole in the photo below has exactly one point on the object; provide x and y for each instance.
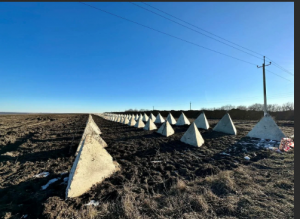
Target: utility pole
(264, 81)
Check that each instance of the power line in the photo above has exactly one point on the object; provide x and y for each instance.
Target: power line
(202, 29)
(278, 75)
(217, 36)
(195, 30)
(278, 66)
(170, 35)
(195, 44)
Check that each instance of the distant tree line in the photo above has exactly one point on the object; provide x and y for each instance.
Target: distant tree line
(254, 107)
(257, 107)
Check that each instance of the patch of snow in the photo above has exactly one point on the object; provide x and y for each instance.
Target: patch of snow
(63, 173)
(50, 182)
(65, 180)
(223, 153)
(247, 158)
(42, 175)
(93, 202)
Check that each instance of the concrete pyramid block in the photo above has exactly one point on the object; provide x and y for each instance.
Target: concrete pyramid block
(132, 121)
(136, 117)
(118, 119)
(139, 123)
(266, 128)
(94, 126)
(92, 165)
(126, 121)
(182, 120)
(171, 119)
(90, 131)
(166, 129)
(192, 136)
(145, 117)
(152, 117)
(225, 125)
(201, 122)
(159, 119)
(122, 120)
(150, 125)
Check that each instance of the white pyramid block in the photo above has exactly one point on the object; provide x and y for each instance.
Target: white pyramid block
(132, 121)
(91, 166)
(166, 129)
(182, 120)
(122, 120)
(152, 117)
(150, 125)
(171, 119)
(136, 117)
(90, 131)
(139, 123)
(145, 117)
(94, 126)
(192, 136)
(201, 122)
(118, 119)
(126, 121)
(159, 119)
(225, 125)
(266, 128)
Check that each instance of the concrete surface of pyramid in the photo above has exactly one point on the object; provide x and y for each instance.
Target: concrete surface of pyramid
(126, 121)
(145, 117)
(192, 136)
(90, 131)
(140, 116)
(201, 121)
(171, 119)
(132, 121)
(91, 166)
(225, 125)
(152, 117)
(159, 119)
(139, 123)
(118, 119)
(166, 129)
(94, 126)
(122, 120)
(136, 117)
(182, 120)
(150, 125)
(266, 128)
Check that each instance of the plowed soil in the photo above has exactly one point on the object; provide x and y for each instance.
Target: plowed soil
(160, 177)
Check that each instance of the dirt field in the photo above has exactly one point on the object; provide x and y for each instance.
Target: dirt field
(184, 182)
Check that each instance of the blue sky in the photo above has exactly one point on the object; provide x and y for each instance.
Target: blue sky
(68, 57)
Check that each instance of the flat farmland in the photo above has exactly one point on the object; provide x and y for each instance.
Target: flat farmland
(160, 177)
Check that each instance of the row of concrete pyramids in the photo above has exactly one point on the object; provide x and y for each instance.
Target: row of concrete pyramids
(266, 128)
(192, 136)
(201, 121)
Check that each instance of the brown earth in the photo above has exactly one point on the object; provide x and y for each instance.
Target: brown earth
(186, 182)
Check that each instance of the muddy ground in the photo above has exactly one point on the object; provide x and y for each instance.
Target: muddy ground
(213, 181)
